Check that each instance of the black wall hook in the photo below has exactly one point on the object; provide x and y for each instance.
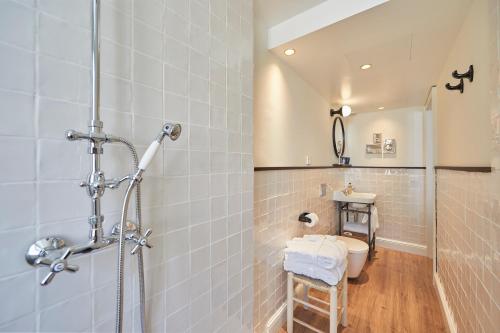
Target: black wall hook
(467, 75)
(459, 86)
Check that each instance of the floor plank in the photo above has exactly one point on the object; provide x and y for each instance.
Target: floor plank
(394, 293)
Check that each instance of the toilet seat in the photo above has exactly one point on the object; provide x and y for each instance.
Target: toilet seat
(354, 245)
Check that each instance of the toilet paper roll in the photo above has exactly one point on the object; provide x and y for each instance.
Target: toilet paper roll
(314, 220)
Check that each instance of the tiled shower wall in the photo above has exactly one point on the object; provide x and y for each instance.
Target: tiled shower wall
(188, 61)
(280, 196)
(468, 239)
(400, 200)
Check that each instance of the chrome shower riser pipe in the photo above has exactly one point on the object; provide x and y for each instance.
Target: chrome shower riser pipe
(95, 122)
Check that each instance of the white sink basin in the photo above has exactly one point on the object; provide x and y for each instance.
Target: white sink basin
(358, 197)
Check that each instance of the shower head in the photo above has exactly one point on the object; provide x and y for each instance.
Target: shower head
(173, 131)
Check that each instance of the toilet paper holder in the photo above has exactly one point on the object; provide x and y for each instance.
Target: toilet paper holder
(303, 217)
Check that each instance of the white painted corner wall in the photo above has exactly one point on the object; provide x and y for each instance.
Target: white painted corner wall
(291, 119)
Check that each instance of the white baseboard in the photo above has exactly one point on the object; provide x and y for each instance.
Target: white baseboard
(274, 323)
(450, 320)
(401, 246)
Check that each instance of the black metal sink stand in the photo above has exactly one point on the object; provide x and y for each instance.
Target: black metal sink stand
(344, 207)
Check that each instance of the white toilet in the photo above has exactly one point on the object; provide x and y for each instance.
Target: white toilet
(358, 251)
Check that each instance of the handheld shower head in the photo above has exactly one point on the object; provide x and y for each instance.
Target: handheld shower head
(173, 131)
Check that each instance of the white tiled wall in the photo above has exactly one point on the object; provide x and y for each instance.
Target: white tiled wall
(280, 197)
(468, 239)
(400, 200)
(179, 60)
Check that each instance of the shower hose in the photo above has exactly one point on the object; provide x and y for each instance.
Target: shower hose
(121, 253)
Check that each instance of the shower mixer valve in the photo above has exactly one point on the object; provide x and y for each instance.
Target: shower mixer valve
(54, 252)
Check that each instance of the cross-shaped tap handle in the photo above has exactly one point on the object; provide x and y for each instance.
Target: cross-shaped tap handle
(57, 266)
(142, 241)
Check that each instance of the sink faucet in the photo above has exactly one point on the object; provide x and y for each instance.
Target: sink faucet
(348, 190)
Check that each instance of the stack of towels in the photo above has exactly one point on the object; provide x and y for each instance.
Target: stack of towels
(321, 257)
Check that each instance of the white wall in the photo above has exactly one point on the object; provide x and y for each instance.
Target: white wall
(404, 125)
(291, 119)
(463, 120)
(197, 195)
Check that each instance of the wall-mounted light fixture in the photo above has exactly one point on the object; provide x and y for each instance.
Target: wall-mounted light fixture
(344, 111)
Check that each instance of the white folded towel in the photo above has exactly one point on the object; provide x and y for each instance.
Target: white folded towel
(326, 253)
(330, 276)
(374, 219)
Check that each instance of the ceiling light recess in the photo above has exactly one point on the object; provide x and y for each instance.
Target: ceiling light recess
(289, 52)
(366, 66)
(381, 107)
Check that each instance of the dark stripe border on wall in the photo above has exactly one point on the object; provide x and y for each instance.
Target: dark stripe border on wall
(333, 167)
(465, 168)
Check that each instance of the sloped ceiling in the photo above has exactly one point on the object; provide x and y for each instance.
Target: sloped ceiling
(406, 41)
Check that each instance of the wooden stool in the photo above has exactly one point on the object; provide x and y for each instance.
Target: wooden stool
(335, 310)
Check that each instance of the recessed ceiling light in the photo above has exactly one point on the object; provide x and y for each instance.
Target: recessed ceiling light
(289, 52)
(381, 108)
(366, 66)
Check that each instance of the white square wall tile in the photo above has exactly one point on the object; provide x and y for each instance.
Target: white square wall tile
(18, 115)
(12, 15)
(176, 26)
(17, 68)
(148, 71)
(62, 81)
(176, 243)
(18, 205)
(21, 324)
(63, 40)
(71, 316)
(148, 40)
(75, 11)
(19, 164)
(176, 54)
(61, 200)
(116, 24)
(147, 101)
(12, 253)
(199, 187)
(21, 300)
(59, 159)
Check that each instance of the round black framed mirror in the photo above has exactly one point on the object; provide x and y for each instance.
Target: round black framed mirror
(338, 137)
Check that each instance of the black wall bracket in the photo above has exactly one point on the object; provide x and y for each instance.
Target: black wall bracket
(459, 86)
(469, 75)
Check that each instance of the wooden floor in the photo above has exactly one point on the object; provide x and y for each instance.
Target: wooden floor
(394, 293)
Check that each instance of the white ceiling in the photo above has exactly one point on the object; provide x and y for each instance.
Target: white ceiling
(272, 12)
(406, 41)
